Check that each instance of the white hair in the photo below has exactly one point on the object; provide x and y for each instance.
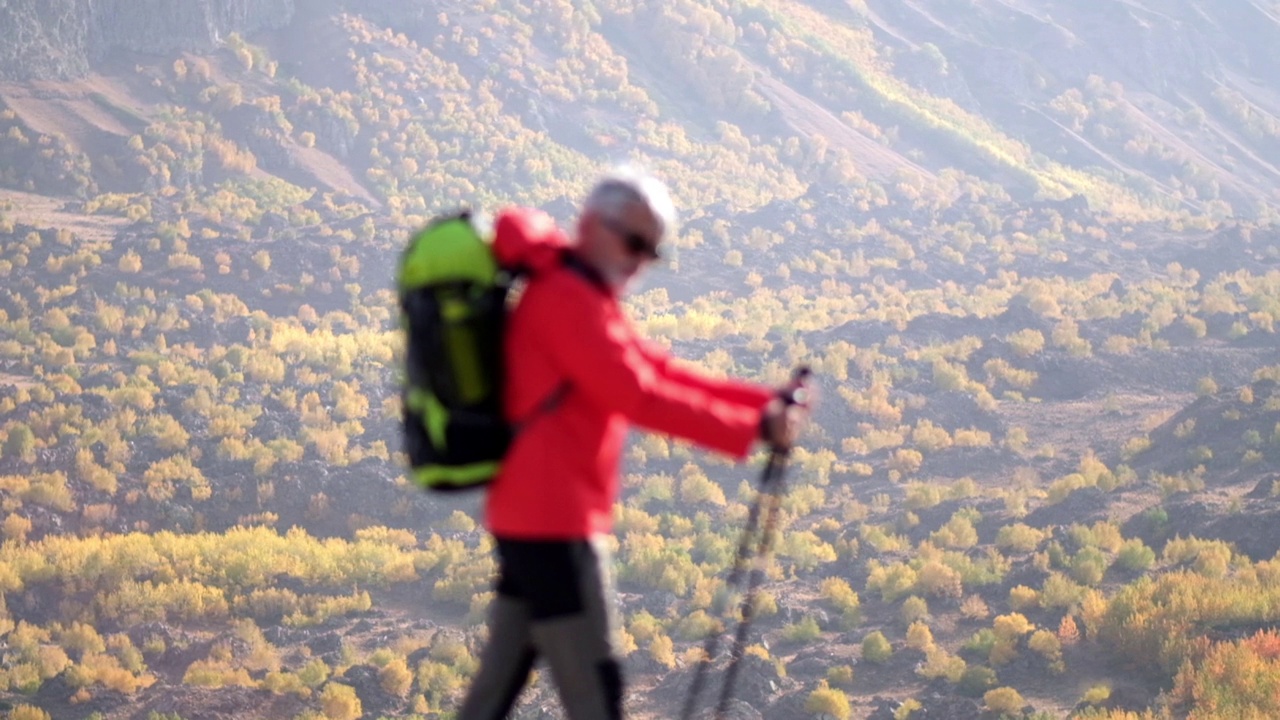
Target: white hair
(629, 185)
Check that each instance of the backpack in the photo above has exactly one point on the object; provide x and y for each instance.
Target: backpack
(452, 296)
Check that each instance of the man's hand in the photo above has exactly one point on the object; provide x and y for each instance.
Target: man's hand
(786, 415)
(782, 424)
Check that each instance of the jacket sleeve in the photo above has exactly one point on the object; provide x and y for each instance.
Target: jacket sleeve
(596, 350)
(729, 390)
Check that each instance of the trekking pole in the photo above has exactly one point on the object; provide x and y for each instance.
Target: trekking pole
(774, 497)
(712, 646)
(770, 490)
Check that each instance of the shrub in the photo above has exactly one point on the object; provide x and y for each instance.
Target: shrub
(840, 675)
(914, 608)
(437, 680)
(1134, 555)
(875, 648)
(281, 683)
(1088, 566)
(644, 626)
(826, 700)
(314, 673)
(940, 580)
(908, 706)
(20, 443)
(919, 637)
(696, 488)
(806, 630)
(981, 642)
(1026, 343)
(1060, 592)
(1019, 538)
(1046, 644)
(1134, 447)
(838, 592)
(340, 702)
(805, 550)
(940, 663)
(976, 680)
(957, 533)
(1096, 695)
(1023, 598)
(130, 262)
(662, 650)
(1004, 700)
(458, 521)
(1068, 632)
(15, 527)
(699, 624)
(1011, 626)
(974, 607)
(216, 674)
(395, 677)
(1206, 386)
(893, 581)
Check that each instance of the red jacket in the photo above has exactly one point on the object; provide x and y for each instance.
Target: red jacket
(560, 478)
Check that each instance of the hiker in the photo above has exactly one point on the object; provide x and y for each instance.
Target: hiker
(577, 375)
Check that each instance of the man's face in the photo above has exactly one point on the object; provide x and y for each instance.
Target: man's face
(622, 245)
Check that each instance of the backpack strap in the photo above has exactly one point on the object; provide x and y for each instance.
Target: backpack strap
(548, 404)
(580, 268)
(576, 264)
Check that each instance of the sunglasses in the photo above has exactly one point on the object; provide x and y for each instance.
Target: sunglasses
(636, 243)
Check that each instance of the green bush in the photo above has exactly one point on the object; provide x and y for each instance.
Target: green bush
(1089, 566)
(806, 630)
(875, 648)
(1019, 538)
(1134, 555)
(697, 625)
(840, 675)
(977, 680)
(981, 642)
(1004, 700)
(914, 608)
(826, 700)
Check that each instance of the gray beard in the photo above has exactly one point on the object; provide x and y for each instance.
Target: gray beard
(621, 284)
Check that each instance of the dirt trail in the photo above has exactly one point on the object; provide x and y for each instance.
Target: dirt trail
(49, 212)
(75, 118)
(1091, 423)
(811, 119)
(18, 381)
(328, 170)
(83, 111)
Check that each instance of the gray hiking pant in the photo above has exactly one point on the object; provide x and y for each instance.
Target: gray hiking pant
(556, 601)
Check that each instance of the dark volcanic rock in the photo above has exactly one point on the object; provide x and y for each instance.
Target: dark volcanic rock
(63, 38)
(1084, 505)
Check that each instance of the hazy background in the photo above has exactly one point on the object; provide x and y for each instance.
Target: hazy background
(1028, 247)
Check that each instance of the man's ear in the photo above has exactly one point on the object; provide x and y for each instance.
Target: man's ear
(588, 225)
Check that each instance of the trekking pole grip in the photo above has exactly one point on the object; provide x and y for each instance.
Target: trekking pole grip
(794, 392)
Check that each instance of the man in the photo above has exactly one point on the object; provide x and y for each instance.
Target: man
(578, 375)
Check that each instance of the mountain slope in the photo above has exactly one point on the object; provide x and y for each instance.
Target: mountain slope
(1026, 246)
(1128, 105)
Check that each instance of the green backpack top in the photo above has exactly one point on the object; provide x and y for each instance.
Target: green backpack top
(453, 296)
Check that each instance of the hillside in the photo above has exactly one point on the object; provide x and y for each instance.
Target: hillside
(1028, 247)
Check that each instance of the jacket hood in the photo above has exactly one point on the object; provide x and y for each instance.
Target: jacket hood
(528, 240)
